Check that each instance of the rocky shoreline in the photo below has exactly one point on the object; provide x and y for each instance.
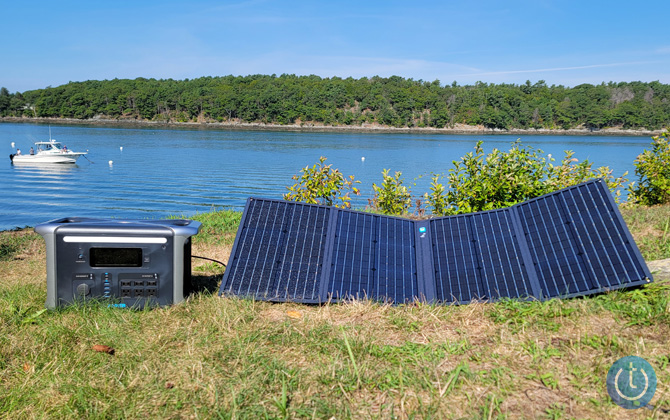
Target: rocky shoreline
(311, 127)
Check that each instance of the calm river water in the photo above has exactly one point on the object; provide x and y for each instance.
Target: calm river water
(162, 172)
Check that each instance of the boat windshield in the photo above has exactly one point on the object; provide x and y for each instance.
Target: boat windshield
(49, 147)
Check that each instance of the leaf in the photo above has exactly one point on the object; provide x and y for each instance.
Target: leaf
(32, 318)
(103, 349)
(294, 314)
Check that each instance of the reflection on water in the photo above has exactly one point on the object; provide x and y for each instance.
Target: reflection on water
(44, 168)
(162, 172)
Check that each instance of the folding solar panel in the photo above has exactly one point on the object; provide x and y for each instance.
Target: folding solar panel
(567, 243)
(455, 260)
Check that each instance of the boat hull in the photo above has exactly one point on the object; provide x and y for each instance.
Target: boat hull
(66, 158)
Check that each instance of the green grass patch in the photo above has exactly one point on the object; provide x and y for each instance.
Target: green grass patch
(219, 227)
(16, 242)
(650, 226)
(213, 357)
(518, 314)
(647, 305)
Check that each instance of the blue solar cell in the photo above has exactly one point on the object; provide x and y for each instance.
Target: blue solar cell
(567, 243)
(477, 256)
(503, 271)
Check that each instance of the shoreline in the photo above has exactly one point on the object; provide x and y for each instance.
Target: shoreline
(459, 129)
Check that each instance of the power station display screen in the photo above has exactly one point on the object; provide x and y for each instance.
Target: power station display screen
(116, 257)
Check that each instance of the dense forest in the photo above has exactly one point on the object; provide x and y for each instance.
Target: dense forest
(392, 101)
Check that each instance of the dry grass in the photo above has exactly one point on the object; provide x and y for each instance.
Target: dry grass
(213, 357)
(650, 227)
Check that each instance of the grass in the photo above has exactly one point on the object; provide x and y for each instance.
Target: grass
(218, 227)
(650, 227)
(213, 357)
(13, 244)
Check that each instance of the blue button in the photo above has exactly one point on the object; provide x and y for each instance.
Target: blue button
(422, 229)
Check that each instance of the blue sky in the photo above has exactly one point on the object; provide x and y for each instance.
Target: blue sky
(49, 43)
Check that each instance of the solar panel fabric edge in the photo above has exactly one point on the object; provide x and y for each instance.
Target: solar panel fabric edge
(233, 251)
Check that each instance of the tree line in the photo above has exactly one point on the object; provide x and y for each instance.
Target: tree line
(392, 101)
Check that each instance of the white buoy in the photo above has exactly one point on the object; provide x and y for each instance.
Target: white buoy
(363, 159)
(111, 162)
(121, 148)
(13, 144)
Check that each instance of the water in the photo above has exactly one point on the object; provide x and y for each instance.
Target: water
(162, 172)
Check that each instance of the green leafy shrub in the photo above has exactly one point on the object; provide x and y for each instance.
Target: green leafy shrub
(499, 179)
(477, 182)
(653, 170)
(436, 200)
(571, 172)
(321, 184)
(391, 197)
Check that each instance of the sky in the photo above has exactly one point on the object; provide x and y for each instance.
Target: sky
(563, 42)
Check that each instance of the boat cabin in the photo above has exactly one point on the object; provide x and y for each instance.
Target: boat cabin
(49, 146)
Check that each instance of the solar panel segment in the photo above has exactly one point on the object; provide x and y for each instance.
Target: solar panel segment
(280, 252)
(373, 257)
(579, 243)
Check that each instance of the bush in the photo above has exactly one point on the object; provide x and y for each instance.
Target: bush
(480, 182)
(499, 179)
(321, 184)
(571, 172)
(653, 170)
(502, 179)
(391, 197)
(436, 201)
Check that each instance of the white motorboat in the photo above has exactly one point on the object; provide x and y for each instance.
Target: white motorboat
(47, 152)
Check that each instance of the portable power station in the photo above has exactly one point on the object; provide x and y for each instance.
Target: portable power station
(132, 263)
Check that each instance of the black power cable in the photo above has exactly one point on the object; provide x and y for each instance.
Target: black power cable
(209, 259)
